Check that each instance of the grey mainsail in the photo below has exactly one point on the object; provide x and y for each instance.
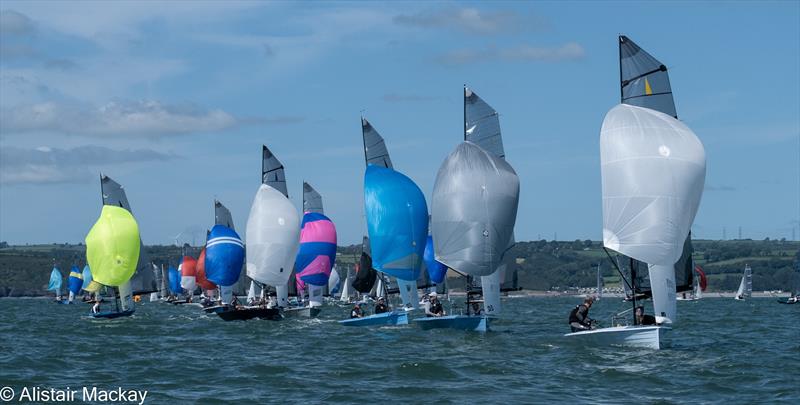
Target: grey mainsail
(482, 124)
(143, 281)
(222, 215)
(684, 267)
(473, 210)
(312, 200)
(375, 152)
(644, 81)
(272, 173)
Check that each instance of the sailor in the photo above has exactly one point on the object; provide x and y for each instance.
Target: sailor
(356, 312)
(579, 317)
(435, 307)
(476, 309)
(381, 307)
(642, 319)
(96, 306)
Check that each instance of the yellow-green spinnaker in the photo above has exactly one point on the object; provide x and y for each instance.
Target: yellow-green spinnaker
(112, 248)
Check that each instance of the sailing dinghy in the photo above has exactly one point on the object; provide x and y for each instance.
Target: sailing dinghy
(473, 211)
(653, 170)
(316, 255)
(745, 290)
(273, 234)
(55, 283)
(397, 225)
(74, 283)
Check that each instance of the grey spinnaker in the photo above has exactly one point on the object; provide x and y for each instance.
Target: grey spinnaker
(482, 124)
(473, 210)
(375, 152)
(312, 200)
(272, 173)
(644, 80)
(144, 280)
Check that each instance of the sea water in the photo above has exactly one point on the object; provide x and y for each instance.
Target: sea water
(722, 351)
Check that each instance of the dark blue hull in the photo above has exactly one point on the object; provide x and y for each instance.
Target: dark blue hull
(112, 315)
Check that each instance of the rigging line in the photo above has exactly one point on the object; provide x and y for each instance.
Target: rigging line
(648, 95)
(614, 262)
(661, 68)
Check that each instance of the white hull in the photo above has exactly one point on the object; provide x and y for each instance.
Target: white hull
(633, 336)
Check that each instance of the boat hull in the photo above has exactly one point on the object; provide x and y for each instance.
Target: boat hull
(215, 309)
(386, 318)
(632, 336)
(112, 315)
(303, 312)
(479, 323)
(247, 313)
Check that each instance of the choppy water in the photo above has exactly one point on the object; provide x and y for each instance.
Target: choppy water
(722, 351)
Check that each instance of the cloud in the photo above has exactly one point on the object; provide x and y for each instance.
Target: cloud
(279, 120)
(399, 98)
(45, 165)
(145, 118)
(467, 20)
(15, 23)
(710, 187)
(523, 53)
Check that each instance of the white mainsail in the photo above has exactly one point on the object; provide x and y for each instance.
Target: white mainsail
(653, 171)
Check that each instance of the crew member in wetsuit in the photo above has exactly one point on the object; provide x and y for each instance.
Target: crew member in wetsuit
(381, 307)
(642, 319)
(435, 307)
(356, 312)
(579, 317)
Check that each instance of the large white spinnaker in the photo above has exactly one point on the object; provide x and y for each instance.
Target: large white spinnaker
(273, 231)
(653, 171)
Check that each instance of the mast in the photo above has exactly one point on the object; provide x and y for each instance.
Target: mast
(633, 290)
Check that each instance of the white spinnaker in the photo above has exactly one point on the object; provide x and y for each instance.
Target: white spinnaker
(333, 280)
(189, 283)
(653, 171)
(272, 238)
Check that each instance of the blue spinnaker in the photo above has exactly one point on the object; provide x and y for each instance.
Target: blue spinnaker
(55, 280)
(397, 222)
(224, 256)
(175, 281)
(436, 270)
(87, 277)
(75, 281)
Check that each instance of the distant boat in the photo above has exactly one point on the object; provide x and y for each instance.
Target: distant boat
(273, 235)
(87, 279)
(646, 220)
(700, 283)
(56, 281)
(745, 290)
(188, 270)
(473, 212)
(205, 284)
(74, 283)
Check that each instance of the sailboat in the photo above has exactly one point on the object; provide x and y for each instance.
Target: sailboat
(397, 225)
(112, 251)
(700, 284)
(745, 290)
(55, 283)
(143, 280)
(74, 283)
(316, 255)
(273, 235)
(473, 211)
(223, 261)
(86, 276)
(175, 289)
(346, 295)
(188, 270)
(653, 171)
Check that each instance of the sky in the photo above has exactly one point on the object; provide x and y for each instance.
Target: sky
(174, 99)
